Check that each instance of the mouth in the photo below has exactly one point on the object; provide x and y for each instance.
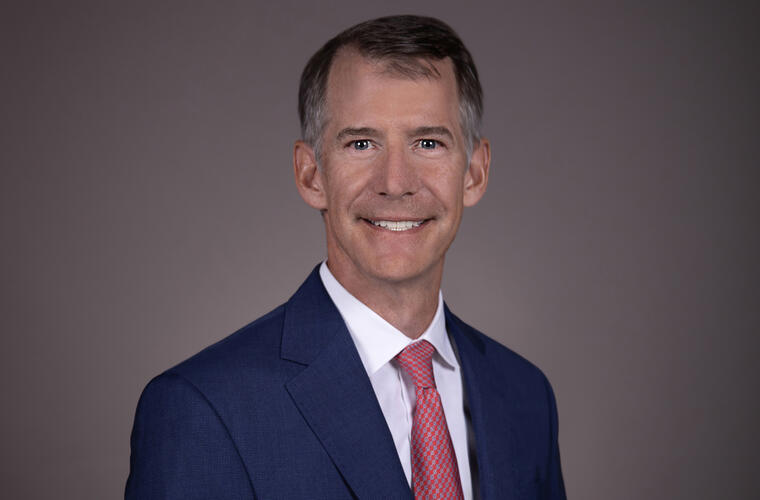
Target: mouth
(396, 225)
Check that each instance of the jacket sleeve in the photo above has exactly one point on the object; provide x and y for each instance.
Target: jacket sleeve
(181, 449)
(553, 484)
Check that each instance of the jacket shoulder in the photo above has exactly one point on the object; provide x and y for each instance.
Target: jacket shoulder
(502, 360)
(257, 344)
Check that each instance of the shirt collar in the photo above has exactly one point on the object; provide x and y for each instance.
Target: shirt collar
(377, 341)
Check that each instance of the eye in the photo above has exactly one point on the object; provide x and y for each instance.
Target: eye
(428, 143)
(361, 144)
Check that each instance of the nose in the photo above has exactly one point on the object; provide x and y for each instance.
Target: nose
(397, 177)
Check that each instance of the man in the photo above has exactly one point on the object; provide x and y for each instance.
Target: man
(364, 385)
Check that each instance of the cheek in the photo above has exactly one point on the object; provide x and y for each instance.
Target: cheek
(347, 185)
(449, 192)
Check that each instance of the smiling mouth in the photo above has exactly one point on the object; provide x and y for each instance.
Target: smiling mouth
(397, 225)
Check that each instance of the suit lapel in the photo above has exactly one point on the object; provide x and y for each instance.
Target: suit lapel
(490, 411)
(336, 397)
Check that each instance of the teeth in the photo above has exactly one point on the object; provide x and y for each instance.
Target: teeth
(403, 225)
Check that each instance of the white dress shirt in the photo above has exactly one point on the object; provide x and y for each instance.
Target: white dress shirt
(378, 343)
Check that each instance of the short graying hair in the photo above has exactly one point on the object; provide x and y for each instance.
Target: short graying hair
(408, 44)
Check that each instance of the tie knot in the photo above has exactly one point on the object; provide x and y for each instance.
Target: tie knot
(417, 360)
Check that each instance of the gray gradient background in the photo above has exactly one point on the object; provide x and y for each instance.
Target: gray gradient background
(148, 210)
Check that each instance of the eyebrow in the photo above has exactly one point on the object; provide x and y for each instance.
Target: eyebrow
(439, 131)
(371, 132)
(357, 132)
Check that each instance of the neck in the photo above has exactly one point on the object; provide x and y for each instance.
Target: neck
(408, 305)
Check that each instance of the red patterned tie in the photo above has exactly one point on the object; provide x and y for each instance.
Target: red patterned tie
(434, 465)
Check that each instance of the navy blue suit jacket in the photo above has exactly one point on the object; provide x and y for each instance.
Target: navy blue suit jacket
(283, 408)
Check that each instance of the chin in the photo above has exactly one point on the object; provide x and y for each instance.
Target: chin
(398, 269)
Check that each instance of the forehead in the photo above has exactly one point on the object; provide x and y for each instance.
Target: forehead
(357, 85)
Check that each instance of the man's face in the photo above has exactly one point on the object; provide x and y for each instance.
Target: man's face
(394, 174)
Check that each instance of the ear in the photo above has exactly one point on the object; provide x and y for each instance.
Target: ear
(476, 177)
(309, 179)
